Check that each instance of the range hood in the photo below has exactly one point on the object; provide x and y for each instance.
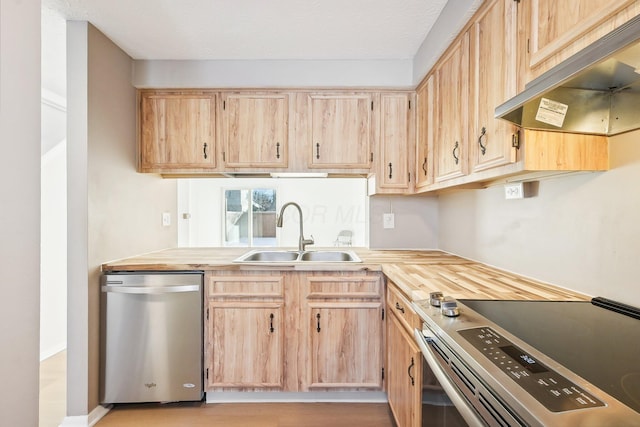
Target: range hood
(596, 91)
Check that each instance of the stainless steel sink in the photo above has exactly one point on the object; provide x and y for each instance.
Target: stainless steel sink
(295, 257)
(329, 256)
(269, 256)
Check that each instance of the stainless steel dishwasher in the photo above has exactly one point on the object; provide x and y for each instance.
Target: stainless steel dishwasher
(151, 337)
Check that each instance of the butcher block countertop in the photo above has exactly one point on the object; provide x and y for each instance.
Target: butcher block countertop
(415, 272)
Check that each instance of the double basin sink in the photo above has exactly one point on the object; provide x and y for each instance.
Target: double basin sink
(275, 256)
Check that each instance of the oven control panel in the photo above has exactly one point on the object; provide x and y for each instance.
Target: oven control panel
(551, 389)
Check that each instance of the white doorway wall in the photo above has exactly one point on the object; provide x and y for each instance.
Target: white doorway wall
(53, 263)
(53, 251)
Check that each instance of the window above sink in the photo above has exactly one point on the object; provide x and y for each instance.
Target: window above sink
(328, 205)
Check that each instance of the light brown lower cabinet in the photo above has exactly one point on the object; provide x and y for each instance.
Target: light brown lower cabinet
(294, 331)
(245, 332)
(404, 361)
(404, 378)
(252, 332)
(345, 319)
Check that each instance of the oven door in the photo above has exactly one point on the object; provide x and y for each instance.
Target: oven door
(452, 409)
(475, 403)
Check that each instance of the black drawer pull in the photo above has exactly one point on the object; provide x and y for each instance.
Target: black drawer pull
(456, 147)
(483, 148)
(413, 381)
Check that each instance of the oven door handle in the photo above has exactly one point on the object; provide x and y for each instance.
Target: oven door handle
(461, 404)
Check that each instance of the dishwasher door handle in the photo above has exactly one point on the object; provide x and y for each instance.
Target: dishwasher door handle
(150, 289)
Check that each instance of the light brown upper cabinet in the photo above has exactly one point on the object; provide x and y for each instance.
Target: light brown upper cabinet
(558, 29)
(396, 142)
(425, 133)
(255, 129)
(452, 112)
(339, 130)
(493, 81)
(177, 132)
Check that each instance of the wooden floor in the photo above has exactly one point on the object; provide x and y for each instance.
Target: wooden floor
(250, 415)
(53, 409)
(53, 390)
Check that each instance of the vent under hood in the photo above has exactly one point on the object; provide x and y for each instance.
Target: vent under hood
(596, 91)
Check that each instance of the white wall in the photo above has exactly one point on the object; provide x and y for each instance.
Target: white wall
(20, 213)
(454, 16)
(416, 222)
(113, 212)
(328, 206)
(54, 40)
(400, 73)
(581, 232)
(274, 73)
(53, 266)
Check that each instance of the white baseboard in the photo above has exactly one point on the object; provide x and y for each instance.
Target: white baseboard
(86, 420)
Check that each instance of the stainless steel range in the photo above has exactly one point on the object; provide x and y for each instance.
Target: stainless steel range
(535, 363)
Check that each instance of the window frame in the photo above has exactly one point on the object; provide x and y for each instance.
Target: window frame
(250, 236)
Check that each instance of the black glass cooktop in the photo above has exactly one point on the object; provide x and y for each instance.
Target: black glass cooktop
(598, 344)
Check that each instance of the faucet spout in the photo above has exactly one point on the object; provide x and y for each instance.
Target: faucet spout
(302, 242)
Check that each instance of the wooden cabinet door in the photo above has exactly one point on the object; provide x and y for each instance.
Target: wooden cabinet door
(255, 129)
(404, 375)
(493, 81)
(396, 142)
(557, 29)
(340, 131)
(452, 80)
(346, 345)
(425, 133)
(247, 345)
(177, 131)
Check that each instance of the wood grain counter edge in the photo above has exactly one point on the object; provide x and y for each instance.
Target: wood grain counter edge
(415, 273)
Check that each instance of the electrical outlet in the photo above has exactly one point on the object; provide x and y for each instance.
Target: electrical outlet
(166, 219)
(388, 221)
(513, 191)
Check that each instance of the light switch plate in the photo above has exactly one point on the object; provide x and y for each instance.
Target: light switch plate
(388, 221)
(166, 219)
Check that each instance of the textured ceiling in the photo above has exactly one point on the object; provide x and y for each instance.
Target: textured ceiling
(259, 29)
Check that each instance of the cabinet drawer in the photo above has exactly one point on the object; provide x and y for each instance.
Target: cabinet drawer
(356, 287)
(401, 307)
(254, 286)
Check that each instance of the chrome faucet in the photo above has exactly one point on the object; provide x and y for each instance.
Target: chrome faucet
(302, 242)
